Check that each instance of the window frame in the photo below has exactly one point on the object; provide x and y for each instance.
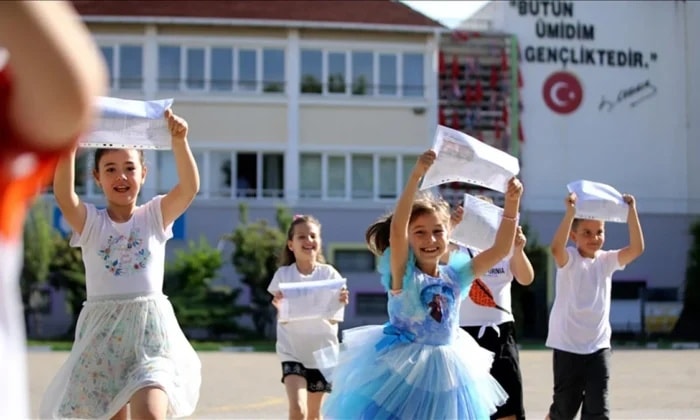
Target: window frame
(377, 50)
(116, 43)
(259, 45)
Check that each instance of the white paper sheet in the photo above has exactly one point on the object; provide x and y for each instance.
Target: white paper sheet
(125, 123)
(318, 299)
(462, 158)
(595, 200)
(478, 228)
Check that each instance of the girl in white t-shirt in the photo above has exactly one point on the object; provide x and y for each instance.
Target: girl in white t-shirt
(486, 314)
(129, 352)
(302, 260)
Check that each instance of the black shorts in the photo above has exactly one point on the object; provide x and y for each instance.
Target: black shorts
(506, 366)
(315, 381)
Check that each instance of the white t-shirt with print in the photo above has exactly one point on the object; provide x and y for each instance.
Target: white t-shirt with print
(124, 258)
(579, 321)
(298, 340)
(498, 281)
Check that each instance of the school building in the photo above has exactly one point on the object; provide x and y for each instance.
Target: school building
(323, 107)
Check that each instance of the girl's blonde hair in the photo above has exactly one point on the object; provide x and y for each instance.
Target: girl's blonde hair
(287, 256)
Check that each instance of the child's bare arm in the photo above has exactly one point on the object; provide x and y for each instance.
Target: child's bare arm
(73, 210)
(398, 236)
(506, 232)
(520, 264)
(56, 71)
(636, 245)
(177, 200)
(561, 236)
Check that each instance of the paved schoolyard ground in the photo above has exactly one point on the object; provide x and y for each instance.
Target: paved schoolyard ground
(645, 384)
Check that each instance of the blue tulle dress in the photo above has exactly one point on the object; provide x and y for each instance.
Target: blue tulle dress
(420, 365)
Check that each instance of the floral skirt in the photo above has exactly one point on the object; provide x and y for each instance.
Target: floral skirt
(121, 346)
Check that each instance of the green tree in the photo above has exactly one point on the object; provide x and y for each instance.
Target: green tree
(39, 251)
(687, 326)
(68, 275)
(529, 303)
(257, 246)
(197, 304)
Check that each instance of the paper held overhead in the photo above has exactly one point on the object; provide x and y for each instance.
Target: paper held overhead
(595, 200)
(129, 124)
(318, 299)
(479, 225)
(462, 158)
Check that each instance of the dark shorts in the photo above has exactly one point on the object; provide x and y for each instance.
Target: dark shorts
(580, 381)
(315, 381)
(506, 366)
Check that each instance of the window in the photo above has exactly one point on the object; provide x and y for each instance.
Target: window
(409, 162)
(387, 177)
(310, 175)
(166, 170)
(337, 76)
(273, 70)
(311, 71)
(325, 175)
(362, 176)
(219, 181)
(362, 73)
(259, 175)
(388, 74)
(168, 67)
(413, 74)
(194, 78)
(125, 66)
(336, 177)
(371, 304)
(273, 175)
(354, 260)
(221, 69)
(247, 70)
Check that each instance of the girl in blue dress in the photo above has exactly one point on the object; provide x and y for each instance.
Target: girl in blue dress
(414, 367)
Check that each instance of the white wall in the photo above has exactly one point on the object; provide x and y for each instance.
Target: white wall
(641, 144)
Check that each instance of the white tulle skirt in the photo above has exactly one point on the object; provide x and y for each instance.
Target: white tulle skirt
(123, 344)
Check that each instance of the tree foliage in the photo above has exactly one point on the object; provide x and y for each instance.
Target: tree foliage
(257, 246)
(687, 326)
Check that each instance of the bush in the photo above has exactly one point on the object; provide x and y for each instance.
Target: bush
(687, 326)
(198, 305)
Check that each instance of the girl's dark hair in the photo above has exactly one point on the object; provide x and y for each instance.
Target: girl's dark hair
(101, 152)
(377, 235)
(287, 256)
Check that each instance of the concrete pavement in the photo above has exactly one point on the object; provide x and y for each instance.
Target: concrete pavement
(645, 384)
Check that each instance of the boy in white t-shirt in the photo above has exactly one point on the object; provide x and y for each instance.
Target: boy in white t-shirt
(579, 322)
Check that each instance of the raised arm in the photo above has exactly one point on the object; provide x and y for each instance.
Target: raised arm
(561, 236)
(398, 236)
(506, 231)
(520, 264)
(56, 71)
(183, 193)
(73, 209)
(636, 246)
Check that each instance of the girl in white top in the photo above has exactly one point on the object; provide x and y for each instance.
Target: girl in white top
(302, 260)
(486, 314)
(129, 351)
